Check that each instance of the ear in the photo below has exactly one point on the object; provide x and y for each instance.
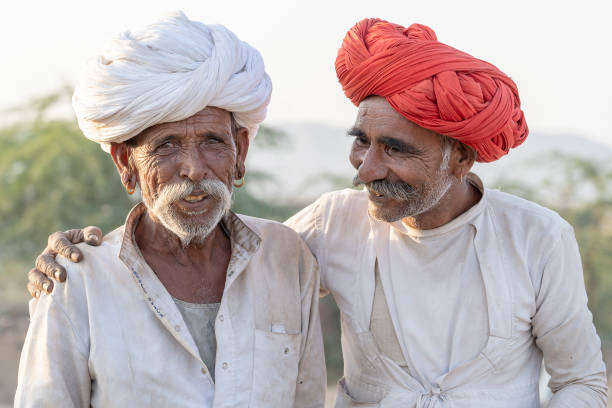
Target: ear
(242, 147)
(462, 159)
(120, 154)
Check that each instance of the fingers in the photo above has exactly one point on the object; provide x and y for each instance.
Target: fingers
(63, 244)
(34, 292)
(38, 283)
(47, 264)
(92, 235)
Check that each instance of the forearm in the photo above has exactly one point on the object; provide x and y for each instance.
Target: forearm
(591, 394)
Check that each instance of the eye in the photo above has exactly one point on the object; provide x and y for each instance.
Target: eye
(361, 141)
(213, 140)
(166, 145)
(392, 149)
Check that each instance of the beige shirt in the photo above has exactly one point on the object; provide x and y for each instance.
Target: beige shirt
(516, 267)
(112, 336)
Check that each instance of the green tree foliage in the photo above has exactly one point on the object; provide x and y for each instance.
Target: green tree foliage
(52, 178)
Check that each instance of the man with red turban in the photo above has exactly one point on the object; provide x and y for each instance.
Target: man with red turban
(451, 294)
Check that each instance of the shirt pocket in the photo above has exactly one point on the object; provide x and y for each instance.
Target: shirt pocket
(345, 400)
(275, 367)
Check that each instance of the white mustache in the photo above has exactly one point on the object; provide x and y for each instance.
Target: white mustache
(175, 192)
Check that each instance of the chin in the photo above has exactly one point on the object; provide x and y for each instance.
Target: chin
(385, 214)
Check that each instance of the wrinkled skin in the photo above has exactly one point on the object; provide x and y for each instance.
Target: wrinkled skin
(387, 147)
(205, 146)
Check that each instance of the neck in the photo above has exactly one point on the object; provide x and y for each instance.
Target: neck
(459, 198)
(153, 236)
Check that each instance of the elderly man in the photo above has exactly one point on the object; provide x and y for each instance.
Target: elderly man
(450, 293)
(187, 304)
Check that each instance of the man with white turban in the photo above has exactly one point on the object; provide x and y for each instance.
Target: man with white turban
(187, 304)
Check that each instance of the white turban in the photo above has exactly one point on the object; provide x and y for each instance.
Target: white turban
(167, 72)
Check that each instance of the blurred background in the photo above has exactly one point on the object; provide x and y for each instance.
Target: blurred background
(52, 178)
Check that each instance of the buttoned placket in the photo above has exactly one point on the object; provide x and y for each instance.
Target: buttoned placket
(155, 294)
(167, 313)
(226, 357)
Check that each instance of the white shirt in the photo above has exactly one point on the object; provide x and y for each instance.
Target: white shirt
(112, 336)
(437, 279)
(536, 306)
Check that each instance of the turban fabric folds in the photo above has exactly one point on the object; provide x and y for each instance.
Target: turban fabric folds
(433, 85)
(167, 72)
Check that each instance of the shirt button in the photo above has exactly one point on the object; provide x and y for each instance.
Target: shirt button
(286, 351)
(204, 370)
(230, 273)
(224, 366)
(221, 317)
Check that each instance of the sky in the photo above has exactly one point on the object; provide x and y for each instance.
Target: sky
(558, 52)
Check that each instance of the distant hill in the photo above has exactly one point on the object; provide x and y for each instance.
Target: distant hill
(312, 150)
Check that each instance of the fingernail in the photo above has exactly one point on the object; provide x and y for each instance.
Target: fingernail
(37, 294)
(57, 274)
(46, 286)
(74, 256)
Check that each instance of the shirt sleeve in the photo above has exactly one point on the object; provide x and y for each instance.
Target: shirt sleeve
(307, 223)
(53, 369)
(312, 379)
(564, 331)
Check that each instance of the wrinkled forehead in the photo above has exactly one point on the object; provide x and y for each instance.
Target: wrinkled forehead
(209, 120)
(376, 118)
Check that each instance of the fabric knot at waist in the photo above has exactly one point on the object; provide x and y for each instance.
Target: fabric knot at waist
(432, 399)
(405, 398)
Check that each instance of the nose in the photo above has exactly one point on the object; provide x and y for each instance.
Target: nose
(193, 165)
(371, 166)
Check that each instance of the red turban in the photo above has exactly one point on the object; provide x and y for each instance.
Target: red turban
(433, 85)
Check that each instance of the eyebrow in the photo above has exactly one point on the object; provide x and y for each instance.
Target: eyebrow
(400, 146)
(389, 141)
(214, 134)
(355, 131)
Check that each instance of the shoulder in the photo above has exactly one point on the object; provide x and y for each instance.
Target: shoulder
(527, 227)
(282, 259)
(344, 201)
(526, 213)
(269, 229)
(278, 241)
(94, 255)
(96, 262)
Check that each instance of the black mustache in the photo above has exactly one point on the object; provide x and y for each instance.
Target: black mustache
(398, 190)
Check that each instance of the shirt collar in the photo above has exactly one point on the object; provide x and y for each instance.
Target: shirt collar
(241, 236)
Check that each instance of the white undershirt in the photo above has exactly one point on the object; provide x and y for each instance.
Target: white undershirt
(438, 294)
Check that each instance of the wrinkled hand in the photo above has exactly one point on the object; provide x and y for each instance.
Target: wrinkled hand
(62, 243)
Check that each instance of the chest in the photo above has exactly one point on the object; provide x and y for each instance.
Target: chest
(197, 281)
(487, 277)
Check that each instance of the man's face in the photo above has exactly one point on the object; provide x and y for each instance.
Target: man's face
(186, 170)
(400, 163)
